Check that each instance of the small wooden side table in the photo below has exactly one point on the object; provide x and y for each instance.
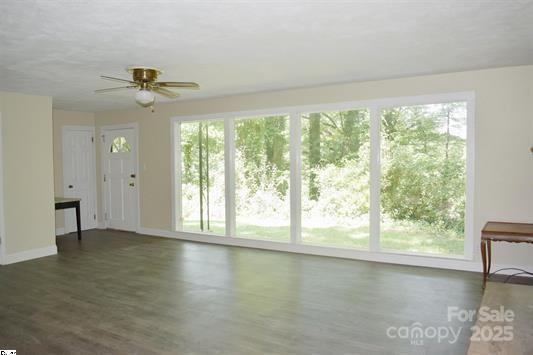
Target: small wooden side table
(502, 232)
(62, 203)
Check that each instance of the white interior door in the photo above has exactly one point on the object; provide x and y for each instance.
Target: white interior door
(120, 185)
(79, 175)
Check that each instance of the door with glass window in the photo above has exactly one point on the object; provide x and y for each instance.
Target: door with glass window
(120, 178)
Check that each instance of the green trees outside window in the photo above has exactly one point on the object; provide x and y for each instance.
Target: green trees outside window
(335, 178)
(202, 176)
(262, 172)
(423, 178)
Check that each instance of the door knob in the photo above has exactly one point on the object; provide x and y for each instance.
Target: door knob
(132, 184)
(70, 186)
(132, 176)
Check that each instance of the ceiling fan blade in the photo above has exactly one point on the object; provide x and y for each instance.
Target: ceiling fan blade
(165, 92)
(116, 79)
(177, 84)
(101, 91)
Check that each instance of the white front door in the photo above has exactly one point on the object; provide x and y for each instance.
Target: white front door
(120, 178)
(79, 175)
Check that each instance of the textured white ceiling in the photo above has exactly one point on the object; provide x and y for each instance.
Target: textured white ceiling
(60, 48)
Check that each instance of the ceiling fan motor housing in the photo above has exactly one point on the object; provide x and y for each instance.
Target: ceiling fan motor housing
(144, 75)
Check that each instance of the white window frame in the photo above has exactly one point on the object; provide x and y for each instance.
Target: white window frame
(295, 245)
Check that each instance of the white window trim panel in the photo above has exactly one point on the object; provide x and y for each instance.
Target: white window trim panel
(229, 177)
(175, 210)
(374, 253)
(2, 217)
(295, 178)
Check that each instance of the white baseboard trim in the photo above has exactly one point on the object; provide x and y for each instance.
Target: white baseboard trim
(382, 257)
(29, 254)
(60, 231)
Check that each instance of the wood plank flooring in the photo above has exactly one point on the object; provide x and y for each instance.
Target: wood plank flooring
(518, 338)
(122, 293)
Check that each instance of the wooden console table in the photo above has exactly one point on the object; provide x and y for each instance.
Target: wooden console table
(64, 202)
(502, 232)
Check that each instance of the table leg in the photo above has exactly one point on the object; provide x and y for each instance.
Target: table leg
(78, 220)
(484, 259)
(489, 253)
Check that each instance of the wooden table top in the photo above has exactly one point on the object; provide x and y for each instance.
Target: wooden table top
(519, 232)
(66, 199)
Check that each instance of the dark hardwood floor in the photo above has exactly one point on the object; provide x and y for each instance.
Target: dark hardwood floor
(118, 292)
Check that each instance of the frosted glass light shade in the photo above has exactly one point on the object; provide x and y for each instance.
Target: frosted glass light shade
(144, 98)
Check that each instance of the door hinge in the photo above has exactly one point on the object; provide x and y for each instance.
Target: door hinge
(104, 178)
(92, 139)
(103, 138)
(94, 216)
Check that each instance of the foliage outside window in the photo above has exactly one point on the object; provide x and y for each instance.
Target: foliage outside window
(120, 145)
(423, 178)
(335, 178)
(262, 172)
(202, 176)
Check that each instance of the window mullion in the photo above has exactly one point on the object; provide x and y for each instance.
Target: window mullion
(229, 172)
(375, 179)
(296, 177)
(178, 218)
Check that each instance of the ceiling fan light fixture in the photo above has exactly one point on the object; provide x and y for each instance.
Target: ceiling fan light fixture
(145, 80)
(144, 98)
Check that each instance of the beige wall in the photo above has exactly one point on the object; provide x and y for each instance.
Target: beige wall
(64, 118)
(503, 130)
(28, 172)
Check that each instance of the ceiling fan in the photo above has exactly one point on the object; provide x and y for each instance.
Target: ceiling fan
(144, 79)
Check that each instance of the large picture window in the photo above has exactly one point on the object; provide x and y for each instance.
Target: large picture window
(391, 175)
